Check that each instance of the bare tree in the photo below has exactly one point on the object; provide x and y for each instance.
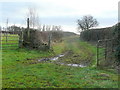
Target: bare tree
(34, 18)
(7, 21)
(87, 22)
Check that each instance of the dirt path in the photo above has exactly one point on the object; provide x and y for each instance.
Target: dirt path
(60, 59)
(76, 54)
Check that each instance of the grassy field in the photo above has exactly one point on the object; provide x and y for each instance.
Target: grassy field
(20, 68)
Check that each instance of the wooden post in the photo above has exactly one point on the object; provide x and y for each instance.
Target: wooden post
(28, 30)
(49, 40)
(28, 23)
(105, 49)
(98, 53)
(6, 37)
(6, 30)
(21, 39)
(112, 44)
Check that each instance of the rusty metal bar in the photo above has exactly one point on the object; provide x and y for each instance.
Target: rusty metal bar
(9, 46)
(9, 40)
(8, 43)
(8, 49)
(10, 36)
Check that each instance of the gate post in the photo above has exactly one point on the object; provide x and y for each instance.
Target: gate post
(98, 53)
(105, 49)
(49, 40)
(21, 39)
(28, 29)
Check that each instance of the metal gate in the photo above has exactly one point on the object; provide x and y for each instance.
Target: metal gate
(9, 41)
(105, 53)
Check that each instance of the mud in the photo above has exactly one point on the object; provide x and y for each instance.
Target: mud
(60, 58)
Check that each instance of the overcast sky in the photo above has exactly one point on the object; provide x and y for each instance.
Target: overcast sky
(60, 12)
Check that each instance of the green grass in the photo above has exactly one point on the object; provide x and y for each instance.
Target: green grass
(10, 57)
(54, 76)
(59, 48)
(20, 68)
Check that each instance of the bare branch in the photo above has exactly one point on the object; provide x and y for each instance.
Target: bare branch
(87, 22)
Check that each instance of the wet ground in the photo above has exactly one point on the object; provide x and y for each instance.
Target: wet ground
(67, 58)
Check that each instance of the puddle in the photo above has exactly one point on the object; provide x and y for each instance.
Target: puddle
(57, 57)
(76, 65)
(53, 58)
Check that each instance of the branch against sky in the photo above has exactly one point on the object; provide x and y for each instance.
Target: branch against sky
(87, 22)
(34, 17)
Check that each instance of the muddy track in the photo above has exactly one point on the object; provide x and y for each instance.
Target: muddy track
(61, 60)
